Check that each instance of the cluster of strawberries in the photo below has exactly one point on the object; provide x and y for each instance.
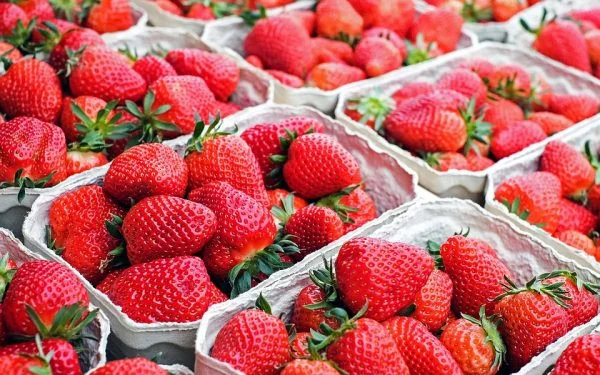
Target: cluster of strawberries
(207, 10)
(474, 115)
(563, 197)
(134, 238)
(344, 41)
(484, 10)
(456, 311)
(573, 41)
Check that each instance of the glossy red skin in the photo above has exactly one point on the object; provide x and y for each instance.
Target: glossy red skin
(146, 170)
(575, 217)
(10, 14)
(78, 162)
(465, 82)
(245, 226)
(299, 346)
(432, 302)
(577, 240)
(312, 228)
(226, 109)
(286, 79)
(152, 67)
(336, 168)
(306, 319)
(475, 274)
(163, 226)
(538, 192)
(37, 147)
(228, 159)
(64, 360)
(74, 40)
(331, 75)
(377, 56)
(379, 265)
(450, 160)
(502, 114)
(574, 107)
(478, 163)
(397, 15)
(515, 138)
(584, 305)
(563, 41)
(366, 209)
(571, 167)
(411, 90)
(165, 290)
(130, 366)
(582, 356)
(45, 286)
(13, 364)
(551, 122)
(333, 17)
(106, 283)
(530, 322)
(480, 66)
(110, 16)
(22, 95)
(440, 26)
(253, 342)
(421, 350)
(68, 121)
(355, 353)
(340, 50)
(306, 367)
(516, 73)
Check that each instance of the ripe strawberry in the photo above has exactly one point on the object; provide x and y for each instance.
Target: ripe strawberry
(475, 344)
(106, 283)
(592, 39)
(337, 169)
(62, 26)
(17, 364)
(510, 81)
(254, 61)
(306, 18)
(103, 73)
(22, 95)
(64, 359)
(10, 52)
(306, 319)
(575, 107)
(396, 15)
(146, 292)
(363, 211)
(343, 51)
(541, 92)
(146, 170)
(478, 163)
(10, 15)
(110, 16)
(533, 317)
(591, 15)
(551, 123)
(73, 40)
(253, 341)
(213, 155)
(421, 350)
(170, 7)
(289, 46)
(299, 345)
(308, 367)
(366, 259)
(432, 303)
(516, 137)
(371, 109)
(226, 109)
(503, 10)
(502, 113)
(285, 79)
(445, 161)
(337, 17)
(465, 82)
(577, 240)
(410, 90)
(448, 99)
(377, 56)
(574, 171)
(575, 217)
(367, 9)
(130, 366)
(439, 26)
(580, 357)
(90, 105)
(152, 67)
(330, 76)
(278, 196)
(480, 66)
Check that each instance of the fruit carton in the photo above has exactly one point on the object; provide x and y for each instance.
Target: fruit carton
(523, 254)
(529, 163)
(467, 184)
(95, 334)
(233, 37)
(387, 181)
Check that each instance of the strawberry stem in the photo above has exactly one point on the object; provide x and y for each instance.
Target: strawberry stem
(373, 107)
(555, 291)
(490, 326)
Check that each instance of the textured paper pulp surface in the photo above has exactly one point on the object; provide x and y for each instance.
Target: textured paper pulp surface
(467, 184)
(95, 334)
(524, 255)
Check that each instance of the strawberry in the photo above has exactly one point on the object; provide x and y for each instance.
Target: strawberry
(367, 9)
(33, 154)
(411, 90)
(475, 344)
(377, 56)
(337, 169)
(73, 40)
(331, 75)
(64, 359)
(152, 67)
(22, 95)
(285, 79)
(432, 303)
(307, 367)
(551, 123)
(170, 7)
(9, 52)
(106, 283)
(162, 226)
(299, 345)
(146, 292)
(220, 73)
(226, 109)
(363, 207)
(534, 197)
(254, 61)
(253, 341)
(103, 73)
(575, 217)
(575, 107)
(447, 99)
(213, 155)
(278, 196)
(592, 39)
(590, 15)
(593, 199)
(516, 137)
(306, 18)
(310, 318)
(18, 364)
(480, 66)
(334, 18)
(379, 263)
(146, 170)
(541, 92)
(465, 82)
(130, 366)
(580, 357)
(421, 350)
(577, 240)
(510, 81)
(396, 15)
(10, 15)
(90, 106)
(389, 35)
(533, 317)
(371, 109)
(478, 162)
(502, 113)
(445, 161)
(503, 10)
(109, 16)
(574, 171)
(289, 46)
(47, 33)
(439, 26)
(343, 51)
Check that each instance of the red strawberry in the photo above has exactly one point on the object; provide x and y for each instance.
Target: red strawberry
(10, 15)
(591, 15)
(146, 170)
(541, 92)
(285, 79)
(478, 163)
(305, 319)
(90, 105)
(445, 161)
(73, 40)
(130, 366)
(397, 15)
(306, 18)
(64, 359)
(226, 109)
(147, 292)
(510, 81)
(515, 138)
(421, 350)
(575, 217)
(277, 196)
(371, 109)
(411, 90)
(551, 123)
(341, 50)
(432, 303)
(62, 27)
(480, 66)
(438, 26)
(503, 10)
(575, 107)
(337, 169)
(389, 35)
(574, 171)
(593, 199)
(22, 95)
(337, 17)
(330, 76)
(299, 345)
(592, 39)
(170, 7)
(465, 82)
(447, 99)
(152, 68)
(255, 61)
(364, 209)
(306, 367)
(580, 357)
(109, 16)
(17, 364)
(379, 263)
(106, 283)
(377, 56)
(577, 240)
(10, 52)
(502, 114)
(367, 9)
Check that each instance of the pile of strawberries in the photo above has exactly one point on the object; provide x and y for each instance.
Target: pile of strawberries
(562, 197)
(43, 309)
(390, 308)
(472, 116)
(345, 41)
(580, 357)
(573, 40)
(208, 10)
(140, 242)
(484, 10)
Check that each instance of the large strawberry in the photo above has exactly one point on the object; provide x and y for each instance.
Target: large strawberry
(108, 16)
(511, 82)
(64, 360)
(23, 94)
(580, 357)
(308, 315)
(515, 138)
(337, 17)
(574, 171)
(130, 366)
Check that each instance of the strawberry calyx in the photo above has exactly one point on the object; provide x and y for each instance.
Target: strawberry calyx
(73, 57)
(129, 53)
(333, 202)
(251, 17)
(66, 9)
(326, 281)
(433, 248)
(543, 22)
(285, 212)
(477, 129)
(327, 335)
(117, 256)
(6, 274)
(471, 13)
(490, 326)
(150, 127)
(343, 37)
(279, 159)
(592, 157)
(203, 133)
(261, 303)
(374, 107)
(51, 242)
(420, 51)
(51, 37)
(579, 282)
(25, 182)
(67, 324)
(507, 89)
(20, 36)
(555, 290)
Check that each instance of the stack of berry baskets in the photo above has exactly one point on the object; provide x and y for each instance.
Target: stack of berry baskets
(492, 91)
(383, 178)
(278, 46)
(92, 353)
(473, 243)
(552, 193)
